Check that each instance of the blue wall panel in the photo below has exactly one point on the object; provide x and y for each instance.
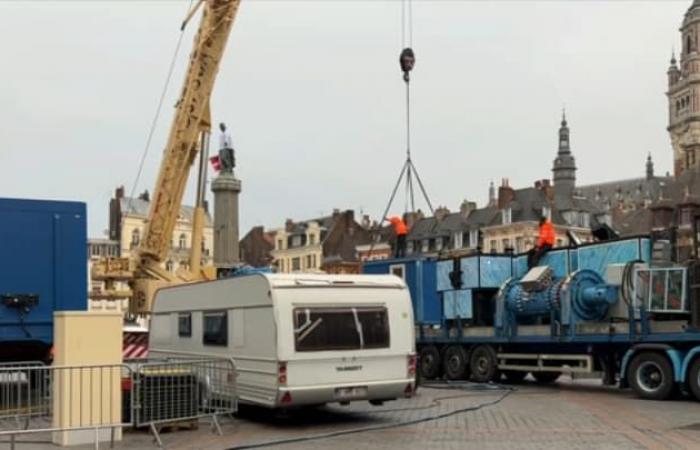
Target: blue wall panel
(598, 257)
(457, 304)
(443, 275)
(43, 251)
(494, 271)
(470, 272)
(557, 260)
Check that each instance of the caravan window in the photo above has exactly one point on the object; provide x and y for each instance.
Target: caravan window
(184, 325)
(215, 328)
(318, 329)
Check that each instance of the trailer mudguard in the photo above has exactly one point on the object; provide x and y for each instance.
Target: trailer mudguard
(675, 356)
(689, 357)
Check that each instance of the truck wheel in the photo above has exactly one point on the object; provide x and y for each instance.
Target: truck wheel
(651, 376)
(456, 363)
(483, 364)
(694, 378)
(429, 359)
(514, 376)
(546, 377)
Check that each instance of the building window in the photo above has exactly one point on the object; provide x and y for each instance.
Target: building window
(547, 212)
(506, 216)
(494, 246)
(438, 244)
(169, 265)
(308, 262)
(519, 248)
(296, 241)
(296, 264)
(182, 242)
(312, 239)
(425, 245)
(560, 243)
(457, 240)
(686, 217)
(474, 238)
(135, 237)
(279, 244)
(506, 245)
(215, 329)
(184, 325)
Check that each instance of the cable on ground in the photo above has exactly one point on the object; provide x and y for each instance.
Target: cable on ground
(507, 390)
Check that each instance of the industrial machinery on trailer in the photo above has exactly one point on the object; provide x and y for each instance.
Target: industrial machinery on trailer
(621, 309)
(189, 134)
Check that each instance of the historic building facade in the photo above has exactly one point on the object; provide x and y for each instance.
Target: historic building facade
(684, 95)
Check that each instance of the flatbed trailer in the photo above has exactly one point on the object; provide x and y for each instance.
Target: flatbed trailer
(603, 309)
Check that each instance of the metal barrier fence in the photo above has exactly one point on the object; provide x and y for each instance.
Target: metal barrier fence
(96, 402)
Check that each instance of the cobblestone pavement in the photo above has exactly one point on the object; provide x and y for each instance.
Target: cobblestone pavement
(567, 415)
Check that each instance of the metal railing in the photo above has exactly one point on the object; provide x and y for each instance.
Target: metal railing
(98, 399)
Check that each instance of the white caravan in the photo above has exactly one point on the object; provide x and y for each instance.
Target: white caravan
(296, 339)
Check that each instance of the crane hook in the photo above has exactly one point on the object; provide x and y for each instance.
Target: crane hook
(407, 61)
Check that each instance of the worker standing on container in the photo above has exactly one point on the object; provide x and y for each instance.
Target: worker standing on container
(545, 242)
(401, 230)
(226, 155)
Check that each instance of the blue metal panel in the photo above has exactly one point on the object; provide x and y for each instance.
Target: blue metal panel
(646, 249)
(573, 260)
(687, 360)
(457, 304)
(421, 279)
(598, 257)
(519, 266)
(470, 272)
(443, 275)
(43, 248)
(557, 260)
(431, 309)
(494, 271)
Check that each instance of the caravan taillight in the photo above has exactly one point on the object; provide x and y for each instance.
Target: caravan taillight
(411, 369)
(282, 372)
(286, 398)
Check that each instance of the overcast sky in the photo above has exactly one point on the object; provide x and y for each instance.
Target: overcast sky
(313, 93)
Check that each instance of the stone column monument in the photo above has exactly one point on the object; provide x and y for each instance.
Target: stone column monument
(226, 188)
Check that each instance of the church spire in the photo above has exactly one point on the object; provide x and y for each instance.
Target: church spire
(564, 169)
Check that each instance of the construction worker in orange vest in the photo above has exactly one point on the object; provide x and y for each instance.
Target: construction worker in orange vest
(545, 242)
(401, 231)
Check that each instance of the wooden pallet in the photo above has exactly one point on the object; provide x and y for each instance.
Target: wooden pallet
(183, 425)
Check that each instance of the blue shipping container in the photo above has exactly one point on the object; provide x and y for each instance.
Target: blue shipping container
(43, 256)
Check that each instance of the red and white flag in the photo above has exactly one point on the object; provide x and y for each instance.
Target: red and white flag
(215, 163)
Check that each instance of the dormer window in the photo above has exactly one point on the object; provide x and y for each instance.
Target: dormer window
(547, 212)
(507, 216)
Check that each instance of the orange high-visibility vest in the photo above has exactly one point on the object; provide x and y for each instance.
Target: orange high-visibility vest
(400, 227)
(547, 235)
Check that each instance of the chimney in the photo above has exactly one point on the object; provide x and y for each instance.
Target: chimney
(506, 194)
(466, 208)
(119, 192)
(289, 225)
(545, 185)
(365, 221)
(441, 212)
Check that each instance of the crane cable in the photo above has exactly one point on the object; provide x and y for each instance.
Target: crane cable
(159, 108)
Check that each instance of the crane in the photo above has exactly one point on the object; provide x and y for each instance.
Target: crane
(189, 134)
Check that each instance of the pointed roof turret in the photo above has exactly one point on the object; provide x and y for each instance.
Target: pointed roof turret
(650, 167)
(564, 169)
